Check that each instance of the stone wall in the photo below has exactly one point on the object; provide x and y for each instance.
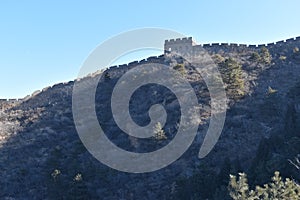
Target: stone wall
(5, 102)
(184, 45)
(118, 70)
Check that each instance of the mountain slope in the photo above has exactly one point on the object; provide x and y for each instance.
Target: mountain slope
(42, 157)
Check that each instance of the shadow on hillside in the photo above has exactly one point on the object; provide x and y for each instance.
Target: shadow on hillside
(46, 159)
(42, 160)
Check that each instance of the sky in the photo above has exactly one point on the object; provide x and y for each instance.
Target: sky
(46, 42)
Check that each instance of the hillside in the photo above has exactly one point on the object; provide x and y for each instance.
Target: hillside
(42, 157)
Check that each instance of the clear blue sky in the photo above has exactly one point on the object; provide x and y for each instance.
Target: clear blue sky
(45, 42)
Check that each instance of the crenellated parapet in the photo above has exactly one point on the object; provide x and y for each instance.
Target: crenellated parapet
(6, 103)
(179, 45)
(117, 70)
(10, 100)
(185, 45)
(182, 46)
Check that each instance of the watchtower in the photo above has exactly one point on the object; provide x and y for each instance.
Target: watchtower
(180, 46)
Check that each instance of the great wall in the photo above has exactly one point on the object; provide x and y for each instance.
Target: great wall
(181, 46)
(188, 45)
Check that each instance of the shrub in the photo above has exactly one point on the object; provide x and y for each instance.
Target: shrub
(282, 58)
(180, 68)
(277, 189)
(55, 174)
(255, 57)
(271, 91)
(231, 72)
(78, 177)
(296, 54)
(265, 56)
(159, 133)
(218, 58)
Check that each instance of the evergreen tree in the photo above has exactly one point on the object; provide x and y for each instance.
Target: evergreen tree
(265, 56)
(159, 133)
(276, 189)
(231, 72)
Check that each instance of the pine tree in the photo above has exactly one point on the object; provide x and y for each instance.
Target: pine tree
(276, 189)
(159, 133)
(265, 56)
(231, 72)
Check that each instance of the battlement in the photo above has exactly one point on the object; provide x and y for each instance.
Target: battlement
(6, 103)
(10, 100)
(187, 45)
(187, 40)
(122, 68)
(179, 45)
(183, 45)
